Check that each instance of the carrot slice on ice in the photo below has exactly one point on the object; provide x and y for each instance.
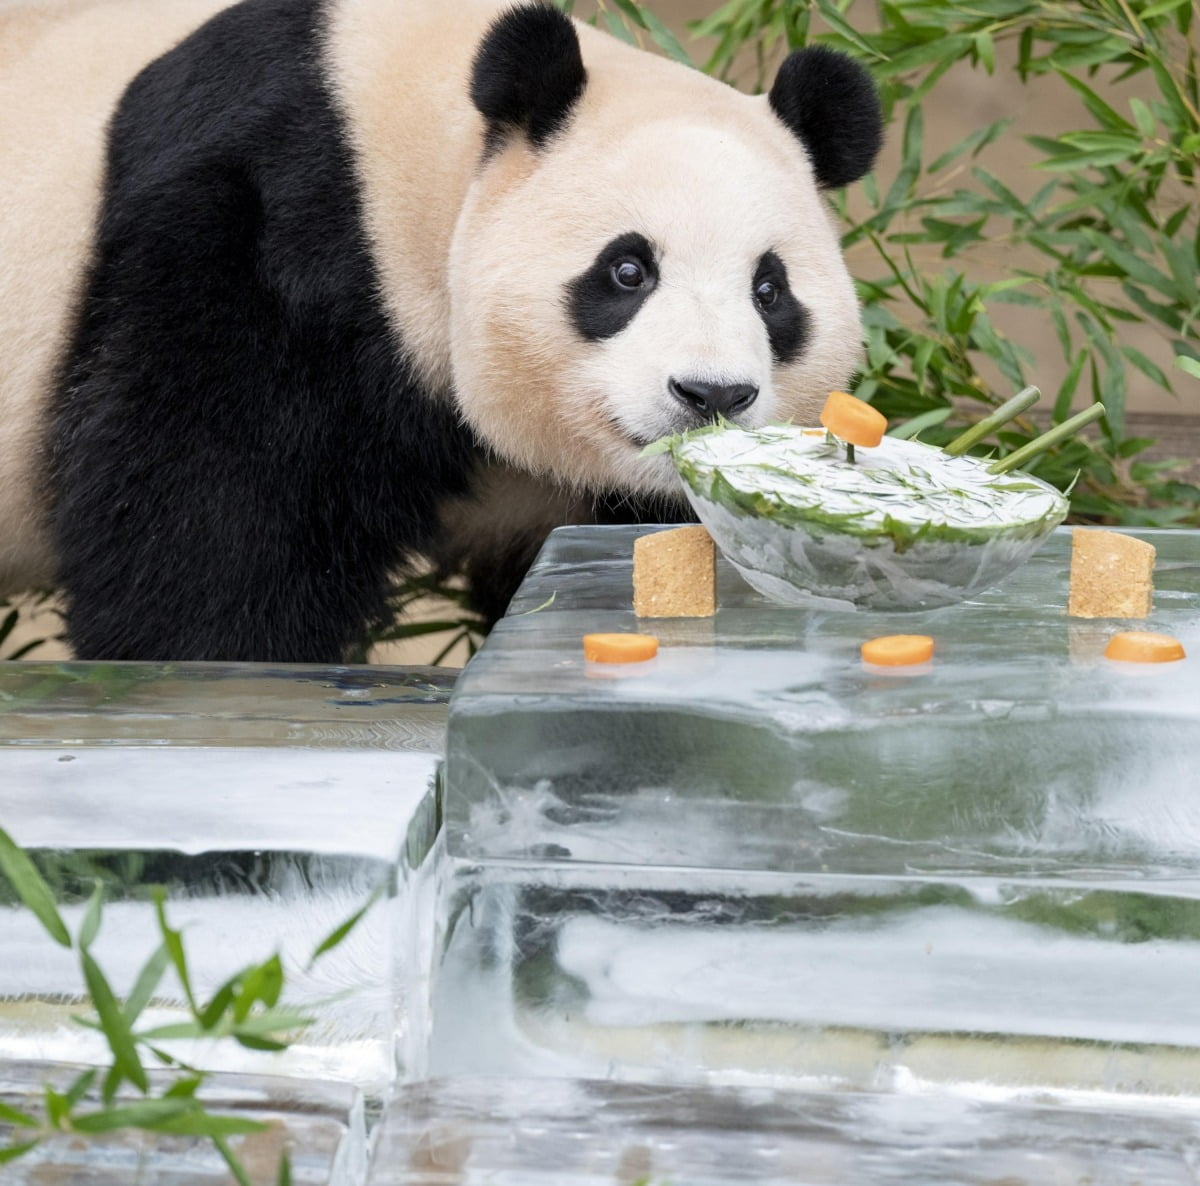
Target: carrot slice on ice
(853, 421)
(898, 650)
(619, 648)
(1143, 646)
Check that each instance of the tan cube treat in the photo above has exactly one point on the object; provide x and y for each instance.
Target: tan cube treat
(1112, 575)
(674, 574)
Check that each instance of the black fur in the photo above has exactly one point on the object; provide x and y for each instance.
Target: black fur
(599, 307)
(494, 575)
(528, 74)
(787, 320)
(240, 455)
(830, 103)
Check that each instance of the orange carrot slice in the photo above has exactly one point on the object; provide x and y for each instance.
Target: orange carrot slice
(619, 648)
(853, 421)
(1143, 646)
(898, 650)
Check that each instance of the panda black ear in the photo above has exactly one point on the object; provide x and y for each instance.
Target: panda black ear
(830, 104)
(528, 74)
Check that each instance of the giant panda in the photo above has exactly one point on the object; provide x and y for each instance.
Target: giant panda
(294, 293)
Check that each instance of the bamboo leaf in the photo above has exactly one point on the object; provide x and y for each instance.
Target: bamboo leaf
(12, 1152)
(90, 926)
(173, 942)
(30, 887)
(339, 933)
(918, 424)
(116, 1030)
(665, 39)
(148, 980)
(12, 1116)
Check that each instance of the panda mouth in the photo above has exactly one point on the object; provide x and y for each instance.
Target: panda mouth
(632, 438)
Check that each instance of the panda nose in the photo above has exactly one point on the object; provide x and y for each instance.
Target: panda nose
(710, 400)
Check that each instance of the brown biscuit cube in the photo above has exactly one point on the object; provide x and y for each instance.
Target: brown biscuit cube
(674, 574)
(1112, 575)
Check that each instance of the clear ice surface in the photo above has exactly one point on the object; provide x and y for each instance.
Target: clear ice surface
(269, 804)
(543, 1133)
(753, 858)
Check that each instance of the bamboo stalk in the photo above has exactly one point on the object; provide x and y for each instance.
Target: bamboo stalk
(1040, 444)
(1007, 411)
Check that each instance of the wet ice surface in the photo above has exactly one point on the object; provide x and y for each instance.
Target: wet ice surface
(270, 804)
(754, 858)
(527, 1133)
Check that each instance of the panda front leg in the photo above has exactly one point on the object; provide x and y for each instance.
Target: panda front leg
(239, 459)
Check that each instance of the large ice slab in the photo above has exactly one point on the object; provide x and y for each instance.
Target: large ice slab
(572, 1133)
(270, 803)
(755, 857)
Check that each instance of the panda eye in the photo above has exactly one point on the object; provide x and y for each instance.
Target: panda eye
(629, 274)
(765, 294)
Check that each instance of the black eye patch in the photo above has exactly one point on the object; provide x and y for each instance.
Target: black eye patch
(605, 298)
(786, 319)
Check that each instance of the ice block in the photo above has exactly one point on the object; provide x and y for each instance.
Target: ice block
(755, 857)
(578, 1133)
(270, 803)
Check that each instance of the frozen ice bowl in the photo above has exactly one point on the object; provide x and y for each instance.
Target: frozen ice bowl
(903, 526)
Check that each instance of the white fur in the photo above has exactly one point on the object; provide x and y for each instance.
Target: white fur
(63, 67)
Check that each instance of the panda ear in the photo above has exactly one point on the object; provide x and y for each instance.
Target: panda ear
(830, 104)
(528, 74)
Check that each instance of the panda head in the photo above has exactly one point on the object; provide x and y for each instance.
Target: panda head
(643, 249)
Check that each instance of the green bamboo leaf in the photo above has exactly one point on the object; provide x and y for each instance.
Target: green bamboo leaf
(8, 625)
(235, 1167)
(1148, 367)
(937, 51)
(13, 1116)
(1096, 159)
(30, 887)
(1105, 115)
(200, 1123)
(985, 50)
(1188, 365)
(214, 1011)
(141, 1114)
(116, 1030)
(618, 28)
(80, 1087)
(261, 984)
(973, 144)
(665, 39)
(1162, 8)
(184, 1088)
(284, 1177)
(1144, 117)
(12, 1152)
(833, 18)
(340, 932)
(90, 926)
(58, 1107)
(632, 11)
(274, 1021)
(148, 980)
(177, 1031)
(1066, 391)
(173, 942)
(254, 1042)
(918, 424)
